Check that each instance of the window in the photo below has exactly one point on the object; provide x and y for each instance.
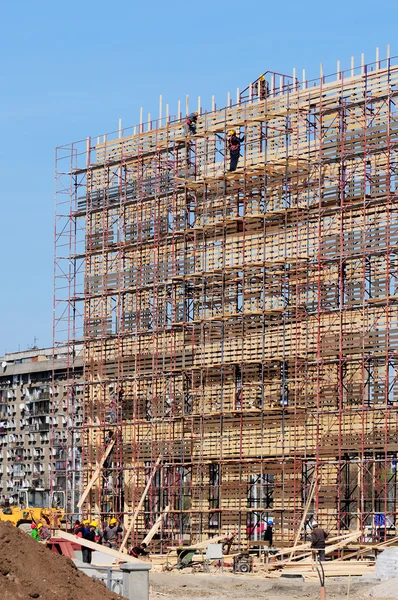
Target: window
(214, 496)
(260, 495)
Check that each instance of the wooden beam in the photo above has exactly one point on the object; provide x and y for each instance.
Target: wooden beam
(155, 528)
(387, 543)
(95, 474)
(345, 542)
(93, 546)
(344, 539)
(140, 503)
(213, 540)
(306, 509)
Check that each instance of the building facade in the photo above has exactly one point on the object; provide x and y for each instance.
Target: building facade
(35, 420)
(240, 328)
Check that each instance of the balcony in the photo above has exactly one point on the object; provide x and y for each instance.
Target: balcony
(35, 427)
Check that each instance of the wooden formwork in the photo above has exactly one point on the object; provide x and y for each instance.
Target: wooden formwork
(244, 325)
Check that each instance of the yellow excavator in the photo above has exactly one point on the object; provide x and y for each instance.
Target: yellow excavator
(34, 506)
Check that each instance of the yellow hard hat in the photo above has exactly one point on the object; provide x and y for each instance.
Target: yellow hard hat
(113, 521)
(86, 521)
(93, 524)
(39, 525)
(232, 132)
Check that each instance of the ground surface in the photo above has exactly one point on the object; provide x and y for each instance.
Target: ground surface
(29, 570)
(170, 586)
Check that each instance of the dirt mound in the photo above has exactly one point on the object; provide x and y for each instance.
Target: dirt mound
(30, 570)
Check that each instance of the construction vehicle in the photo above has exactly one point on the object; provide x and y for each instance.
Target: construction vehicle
(34, 506)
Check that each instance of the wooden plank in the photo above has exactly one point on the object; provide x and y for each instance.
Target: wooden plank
(140, 503)
(213, 540)
(340, 539)
(334, 569)
(328, 549)
(387, 543)
(93, 546)
(155, 528)
(345, 542)
(95, 474)
(306, 509)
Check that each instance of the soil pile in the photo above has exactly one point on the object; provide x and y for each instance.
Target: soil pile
(30, 570)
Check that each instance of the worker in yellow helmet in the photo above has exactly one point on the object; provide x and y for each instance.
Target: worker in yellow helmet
(89, 535)
(44, 532)
(234, 142)
(262, 87)
(111, 534)
(97, 532)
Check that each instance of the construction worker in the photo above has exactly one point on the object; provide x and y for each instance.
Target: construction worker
(97, 533)
(111, 534)
(78, 528)
(139, 550)
(234, 142)
(269, 532)
(228, 541)
(262, 87)
(86, 526)
(44, 532)
(190, 123)
(318, 540)
(89, 535)
(34, 532)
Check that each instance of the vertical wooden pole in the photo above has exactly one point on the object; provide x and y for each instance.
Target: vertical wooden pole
(304, 79)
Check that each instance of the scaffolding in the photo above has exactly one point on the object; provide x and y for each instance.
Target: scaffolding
(241, 326)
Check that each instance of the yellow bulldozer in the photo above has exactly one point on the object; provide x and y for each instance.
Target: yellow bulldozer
(34, 506)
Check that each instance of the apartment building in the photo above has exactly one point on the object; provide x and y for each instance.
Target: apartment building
(37, 410)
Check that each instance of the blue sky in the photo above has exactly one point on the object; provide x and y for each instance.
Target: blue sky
(72, 69)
